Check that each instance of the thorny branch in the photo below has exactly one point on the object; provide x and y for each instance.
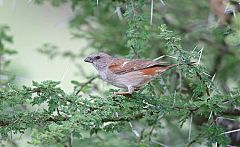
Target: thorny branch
(85, 84)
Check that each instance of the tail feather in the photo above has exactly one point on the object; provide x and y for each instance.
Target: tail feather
(163, 68)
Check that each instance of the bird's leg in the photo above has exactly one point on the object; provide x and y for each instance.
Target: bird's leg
(129, 92)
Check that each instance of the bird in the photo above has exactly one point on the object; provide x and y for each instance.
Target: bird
(126, 73)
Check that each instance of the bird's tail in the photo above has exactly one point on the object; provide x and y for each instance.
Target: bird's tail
(163, 68)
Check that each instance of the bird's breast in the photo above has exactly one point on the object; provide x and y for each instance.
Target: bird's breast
(103, 75)
(111, 78)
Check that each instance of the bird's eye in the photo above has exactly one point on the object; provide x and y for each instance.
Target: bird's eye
(97, 57)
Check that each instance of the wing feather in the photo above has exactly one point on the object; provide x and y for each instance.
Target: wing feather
(121, 66)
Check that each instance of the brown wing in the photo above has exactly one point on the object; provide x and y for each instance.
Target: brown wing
(121, 66)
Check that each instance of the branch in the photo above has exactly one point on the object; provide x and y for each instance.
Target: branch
(116, 119)
(4, 123)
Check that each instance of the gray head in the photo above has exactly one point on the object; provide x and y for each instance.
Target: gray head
(99, 60)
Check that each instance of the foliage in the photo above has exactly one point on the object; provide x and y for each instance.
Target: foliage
(185, 101)
(5, 52)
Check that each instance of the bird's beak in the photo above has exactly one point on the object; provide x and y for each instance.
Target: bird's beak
(88, 59)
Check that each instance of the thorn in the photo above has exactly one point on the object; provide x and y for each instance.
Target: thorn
(171, 56)
(210, 115)
(234, 13)
(174, 101)
(148, 104)
(199, 59)
(159, 143)
(119, 13)
(158, 58)
(190, 128)
(206, 74)
(65, 72)
(232, 131)
(212, 79)
(161, 1)
(133, 130)
(151, 12)
(97, 2)
(194, 48)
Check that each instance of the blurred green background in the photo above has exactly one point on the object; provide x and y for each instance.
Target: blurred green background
(32, 26)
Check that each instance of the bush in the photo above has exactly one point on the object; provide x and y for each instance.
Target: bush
(186, 106)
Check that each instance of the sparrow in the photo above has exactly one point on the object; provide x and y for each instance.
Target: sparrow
(126, 73)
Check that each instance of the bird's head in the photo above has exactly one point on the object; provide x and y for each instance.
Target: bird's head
(99, 60)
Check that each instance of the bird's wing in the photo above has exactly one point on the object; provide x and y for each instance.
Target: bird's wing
(121, 66)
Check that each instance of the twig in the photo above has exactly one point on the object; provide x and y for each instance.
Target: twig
(85, 84)
(141, 135)
(58, 112)
(153, 126)
(35, 119)
(135, 117)
(194, 140)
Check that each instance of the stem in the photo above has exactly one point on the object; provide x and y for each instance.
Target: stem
(85, 84)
